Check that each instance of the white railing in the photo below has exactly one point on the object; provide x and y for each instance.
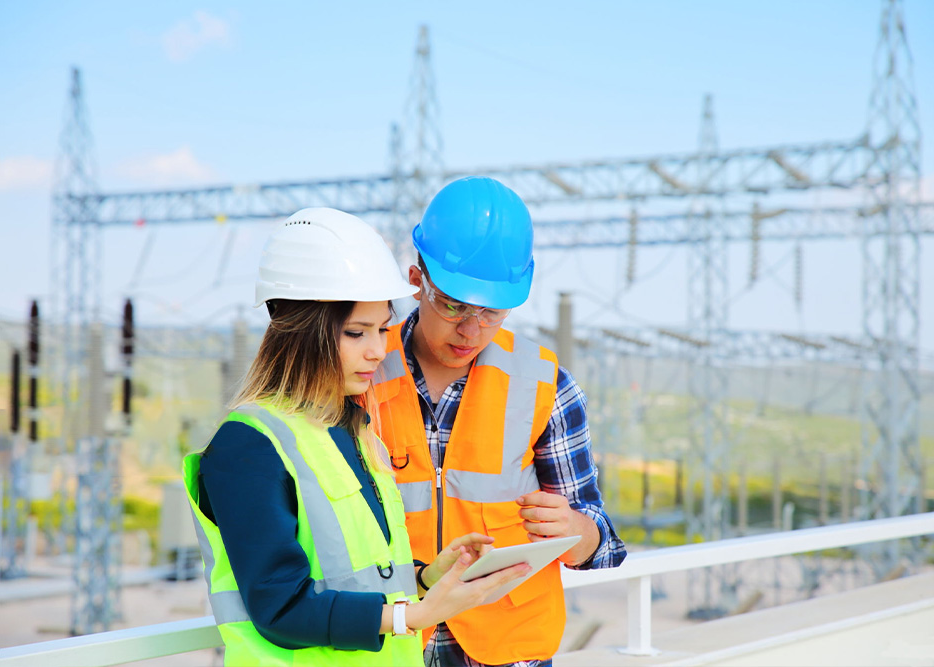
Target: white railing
(639, 567)
(155, 641)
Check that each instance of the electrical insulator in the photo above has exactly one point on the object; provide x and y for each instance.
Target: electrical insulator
(799, 275)
(14, 392)
(755, 235)
(128, 335)
(633, 242)
(33, 371)
(128, 329)
(34, 334)
(127, 396)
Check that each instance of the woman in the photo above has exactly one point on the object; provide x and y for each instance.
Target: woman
(301, 526)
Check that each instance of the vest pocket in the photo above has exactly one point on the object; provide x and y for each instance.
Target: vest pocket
(503, 523)
(336, 486)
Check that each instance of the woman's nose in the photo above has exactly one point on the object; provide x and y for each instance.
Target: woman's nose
(377, 350)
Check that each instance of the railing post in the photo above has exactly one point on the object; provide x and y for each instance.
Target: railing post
(640, 616)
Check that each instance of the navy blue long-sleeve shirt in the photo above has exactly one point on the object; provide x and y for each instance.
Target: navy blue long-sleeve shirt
(248, 493)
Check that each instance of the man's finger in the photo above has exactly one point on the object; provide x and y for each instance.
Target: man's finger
(547, 529)
(541, 499)
(539, 514)
(539, 538)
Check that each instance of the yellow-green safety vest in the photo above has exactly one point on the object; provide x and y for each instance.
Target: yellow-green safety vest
(346, 548)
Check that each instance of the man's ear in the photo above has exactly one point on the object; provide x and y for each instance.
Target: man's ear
(415, 278)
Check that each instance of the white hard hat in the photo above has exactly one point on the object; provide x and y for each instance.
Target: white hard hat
(322, 254)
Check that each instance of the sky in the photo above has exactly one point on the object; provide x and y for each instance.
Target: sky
(185, 94)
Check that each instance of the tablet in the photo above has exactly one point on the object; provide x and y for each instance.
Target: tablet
(536, 554)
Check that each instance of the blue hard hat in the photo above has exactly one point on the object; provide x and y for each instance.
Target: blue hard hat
(476, 241)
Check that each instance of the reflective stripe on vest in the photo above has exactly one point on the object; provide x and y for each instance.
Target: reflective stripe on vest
(336, 566)
(525, 370)
(416, 496)
(227, 606)
(391, 367)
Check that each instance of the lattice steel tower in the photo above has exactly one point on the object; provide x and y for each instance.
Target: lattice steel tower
(891, 466)
(707, 462)
(420, 148)
(76, 266)
(76, 252)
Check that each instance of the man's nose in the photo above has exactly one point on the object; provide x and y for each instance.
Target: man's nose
(470, 327)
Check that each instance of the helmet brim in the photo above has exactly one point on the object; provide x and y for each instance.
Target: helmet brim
(266, 291)
(477, 292)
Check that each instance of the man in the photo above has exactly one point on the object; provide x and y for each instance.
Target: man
(486, 432)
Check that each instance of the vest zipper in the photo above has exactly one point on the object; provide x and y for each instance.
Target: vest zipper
(438, 499)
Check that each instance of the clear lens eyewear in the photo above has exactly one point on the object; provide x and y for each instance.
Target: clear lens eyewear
(456, 311)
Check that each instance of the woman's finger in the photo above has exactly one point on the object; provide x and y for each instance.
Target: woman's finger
(506, 575)
(474, 540)
(460, 565)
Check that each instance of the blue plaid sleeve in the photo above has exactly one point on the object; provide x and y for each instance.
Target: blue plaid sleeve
(564, 463)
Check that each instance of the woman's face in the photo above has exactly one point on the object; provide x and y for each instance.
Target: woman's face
(363, 344)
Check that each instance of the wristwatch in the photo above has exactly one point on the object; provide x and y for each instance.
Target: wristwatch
(399, 628)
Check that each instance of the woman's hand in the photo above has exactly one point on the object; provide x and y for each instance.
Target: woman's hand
(450, 596)
(476, 545)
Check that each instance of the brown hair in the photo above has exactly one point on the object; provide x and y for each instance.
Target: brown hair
(298, 369)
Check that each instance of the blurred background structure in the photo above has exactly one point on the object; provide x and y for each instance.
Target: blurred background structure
(701, 430)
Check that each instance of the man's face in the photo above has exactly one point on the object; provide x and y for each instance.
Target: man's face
(452, 344)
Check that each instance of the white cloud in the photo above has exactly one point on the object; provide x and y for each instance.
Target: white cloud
(188, 36)
(25, 172)
(180, 167)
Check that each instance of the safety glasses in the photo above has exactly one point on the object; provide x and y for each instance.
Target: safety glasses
(455, 311)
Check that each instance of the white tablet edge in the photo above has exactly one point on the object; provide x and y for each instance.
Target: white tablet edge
(536, 554)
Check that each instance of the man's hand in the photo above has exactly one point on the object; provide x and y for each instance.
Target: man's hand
(546, 515)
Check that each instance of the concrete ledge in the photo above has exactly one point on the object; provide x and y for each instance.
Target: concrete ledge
(883, 624)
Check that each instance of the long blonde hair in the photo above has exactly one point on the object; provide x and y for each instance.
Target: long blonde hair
(298, 370)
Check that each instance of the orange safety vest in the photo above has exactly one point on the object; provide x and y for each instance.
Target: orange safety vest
(487, 465)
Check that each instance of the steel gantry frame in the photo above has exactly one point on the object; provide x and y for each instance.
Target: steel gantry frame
(841, 165)
(657, 194)
(787, 223)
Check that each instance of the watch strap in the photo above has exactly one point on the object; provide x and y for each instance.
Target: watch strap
(399, 626)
